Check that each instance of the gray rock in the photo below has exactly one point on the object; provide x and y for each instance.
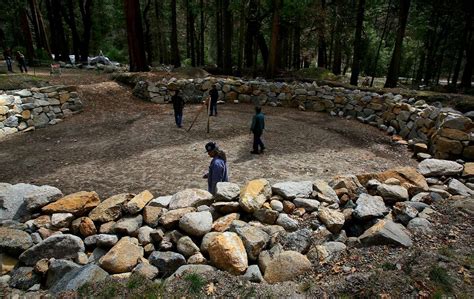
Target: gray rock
(161, 201)
(254, 239)
(419, 206)
(186, 246)
(291, 190)
(101, 240)
(167, 262)
(326, 252)
(299, 240)
(41, 197)
(266, 216)
(146, 270)
(61, 220)
(403, 212)
(226, 191)
(386, 232)
(96, 255)
(75, 279)
(436, 167)
(57, 246)
(207, 239)
(226, 207)
(369, 207)
(58, 269)
(276, 205)
(190, 198)
(325, 192)
(455, 187)
(11, 121)
(420, 197)
(24, 278)
(288, 223)
(253, 274)
(420, 225)
(14, 241)
(196, 223)
(144, 236)
(392, 193)
(267, 256)
(12, 201)
(309, 205)
(23, 93)
(128, 225)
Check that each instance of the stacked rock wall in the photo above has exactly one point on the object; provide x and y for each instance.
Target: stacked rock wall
(24, 110)
(447, 132)
(258, 231)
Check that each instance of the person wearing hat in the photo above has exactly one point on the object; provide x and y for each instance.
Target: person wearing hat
(214, 94)
(178, 106)
(217, 169)
(257, 127)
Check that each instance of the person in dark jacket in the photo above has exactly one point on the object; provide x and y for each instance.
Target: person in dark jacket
(178, 106)
(21, 61)
(214, 94)
(218, 171)
(7, 54)
(257, 127)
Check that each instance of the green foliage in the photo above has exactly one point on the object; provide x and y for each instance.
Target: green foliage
(196, 282)
(441, 278)
(135, 281)
(387, 266)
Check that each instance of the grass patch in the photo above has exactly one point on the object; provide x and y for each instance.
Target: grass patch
(441, 278)
(446, 251)
(109, 290)
(315, 73)
(152, 291)
(135, 281)
(196, 282)
(20, 81)
(388, 266)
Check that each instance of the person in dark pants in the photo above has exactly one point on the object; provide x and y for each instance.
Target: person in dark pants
(7, 54)
(21, 61)
(178, 106)
(214, 97)
(257, 127)
(218, 171)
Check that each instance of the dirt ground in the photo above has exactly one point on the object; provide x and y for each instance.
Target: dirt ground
(122, 144)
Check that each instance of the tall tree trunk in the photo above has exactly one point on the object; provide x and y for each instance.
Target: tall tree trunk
(136, 49)
(421, 67)
(296, 45)
(466, 80)
(337, 61)
(219, 37)
(241, 36)
(322, 56)
(227, 38)
(43, 34)
(70, 19)
(85, 7)
(60, 47)
(25, 28)
(358, 43)
(374, 69)
(272, 57)
(394, 68)
(464, 44)
(163, 53)
(176, 60)
(201, 34)
(190, 33)
(35, 23)
(147, 33)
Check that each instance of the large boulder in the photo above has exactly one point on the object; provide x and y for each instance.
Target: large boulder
(123, 257)
(332, 219)
(392, 193)
(58, 269)
(226, 191)
(255, 240)
(14, 241)
(190, 198)
(57, 246)
(75, 279)
(286, 266)
(24, 278)
(110, 209)
(167, 262)
(408, 177)
(436, 167)
(41, 197)
(137, 203)
(227, 252)
(77, 203)
(291, 190)
(254, 194)
(386, 232)
(369, 207)
(455, 187)
(196, 223)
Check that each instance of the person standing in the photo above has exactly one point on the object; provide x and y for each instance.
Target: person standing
(7, 54)
(214, 94)
(21, 61)
(178, 106)
(218, 171)
(257, 127)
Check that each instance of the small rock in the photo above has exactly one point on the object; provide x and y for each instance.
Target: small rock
(222, 224)
(392, 193)
(187, 247)
(276, 205)
(190, 198)
(152, 214)
(287, 222)
(455, 187)
(266, 216)
(292, 190)
(137, 203)
(369, 207)
(128, 225)
(299, 240)
(123, 257)
(254, 239)
(144, 235)
(197, 258)
(309, 205)
(23, 278)
(253, 274)
(87, 227)
(75, 279)
(325, 192)
(146, 270)
(436, 167)
(226, 191)
(386, 232)
(77, 203)
(166, 262)
(286, 266)
(14, 241)
(420, 225)
(254, 194)
(332, 219)
(110, 209)
(196, 223)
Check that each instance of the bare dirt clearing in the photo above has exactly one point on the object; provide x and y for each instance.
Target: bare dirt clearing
(121, 144)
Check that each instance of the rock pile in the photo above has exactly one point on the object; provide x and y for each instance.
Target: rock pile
(263, 232)
(443, 132)
(24, 110)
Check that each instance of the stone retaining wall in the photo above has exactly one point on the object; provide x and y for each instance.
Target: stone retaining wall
(446, 132)
(24, 110)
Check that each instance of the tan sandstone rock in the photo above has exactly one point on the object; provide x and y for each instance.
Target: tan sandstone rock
(409, 178)
(77, 203)
(223, 223)
(254, 194)
(123, 257)
(137, 203)
(87, 227)
(227, 252)
(286, 266)
(110, 209)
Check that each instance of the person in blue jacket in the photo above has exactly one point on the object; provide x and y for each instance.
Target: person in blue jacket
(218, 171)
(257, 127)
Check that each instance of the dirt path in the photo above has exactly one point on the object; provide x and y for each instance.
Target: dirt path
(121, 144)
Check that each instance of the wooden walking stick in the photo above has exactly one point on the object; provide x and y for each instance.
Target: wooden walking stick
(208, 114)
(197, 115)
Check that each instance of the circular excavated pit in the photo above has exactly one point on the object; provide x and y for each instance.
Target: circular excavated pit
(120, 144)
